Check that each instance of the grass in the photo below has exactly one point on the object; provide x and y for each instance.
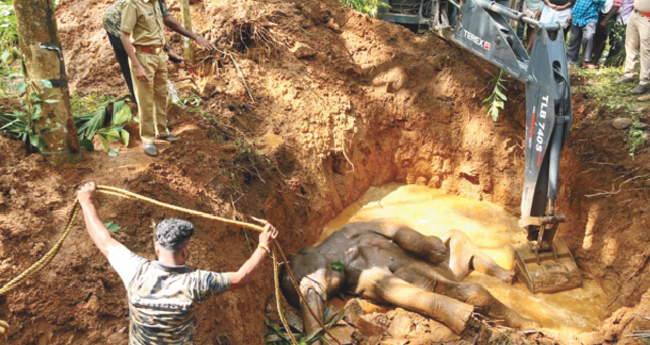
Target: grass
(599, 85)
(600, 88)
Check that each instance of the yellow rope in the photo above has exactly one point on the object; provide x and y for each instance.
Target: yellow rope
(40, 264)
(74, 212)
(276, 285)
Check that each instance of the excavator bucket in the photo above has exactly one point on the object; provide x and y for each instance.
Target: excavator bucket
(547, 272)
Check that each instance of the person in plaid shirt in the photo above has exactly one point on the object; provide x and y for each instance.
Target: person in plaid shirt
(584, 18)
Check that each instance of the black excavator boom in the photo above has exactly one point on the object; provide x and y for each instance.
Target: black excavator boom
(544, 262)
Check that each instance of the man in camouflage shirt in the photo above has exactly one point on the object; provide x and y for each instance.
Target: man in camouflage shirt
(163, 294)
(113, 21)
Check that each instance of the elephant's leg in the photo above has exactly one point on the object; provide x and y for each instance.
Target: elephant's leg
(311, 270)
(484, 302)
(428, 277)
(429, 248)
(464, 257)
(316, 301)
(380, 285)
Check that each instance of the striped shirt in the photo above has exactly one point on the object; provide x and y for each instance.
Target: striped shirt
(113, 16)
(163, 298)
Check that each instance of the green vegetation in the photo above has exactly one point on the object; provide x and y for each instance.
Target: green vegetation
(635, 138)
(497, 99)
(8, 28)
(338, 266)
(599, 85)
(8, 51)
(18, 122)
(617, 33)
(112, 227)
(278, 335)
(601, 90)
(371, 7)
(89, 103)
(94, 122)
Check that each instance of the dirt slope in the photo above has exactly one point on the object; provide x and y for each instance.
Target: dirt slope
(341, 102)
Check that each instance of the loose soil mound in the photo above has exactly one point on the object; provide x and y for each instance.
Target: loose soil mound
(341, 102)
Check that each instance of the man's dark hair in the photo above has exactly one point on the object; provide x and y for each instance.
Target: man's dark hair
(173, 232)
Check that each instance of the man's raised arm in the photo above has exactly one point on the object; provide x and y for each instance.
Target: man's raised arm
(247, 271)
(96, 229)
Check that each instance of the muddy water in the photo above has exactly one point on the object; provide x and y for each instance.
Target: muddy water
(432, 212)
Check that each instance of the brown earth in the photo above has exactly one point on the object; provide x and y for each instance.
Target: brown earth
(341, 102)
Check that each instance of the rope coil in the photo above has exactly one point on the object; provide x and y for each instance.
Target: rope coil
(74, 213)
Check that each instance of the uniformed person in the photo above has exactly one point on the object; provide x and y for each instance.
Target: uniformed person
(163, 294)
(113, 22)
(143, 37)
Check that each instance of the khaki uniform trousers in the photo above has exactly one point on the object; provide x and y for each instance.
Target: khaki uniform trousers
(151, 95)
(638, 36)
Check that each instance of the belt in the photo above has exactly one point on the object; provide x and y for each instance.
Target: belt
(148, 49)
(642, 14)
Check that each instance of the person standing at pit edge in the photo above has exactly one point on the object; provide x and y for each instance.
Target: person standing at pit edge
(143, 37)
(112, 21)
(163, 294)
(637, 40)
(584, 18)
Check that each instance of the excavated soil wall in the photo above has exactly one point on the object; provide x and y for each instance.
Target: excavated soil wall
(342, 102)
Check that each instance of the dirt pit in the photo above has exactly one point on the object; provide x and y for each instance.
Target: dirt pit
(340, 102)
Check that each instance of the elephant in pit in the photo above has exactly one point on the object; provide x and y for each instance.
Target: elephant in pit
(393, 264)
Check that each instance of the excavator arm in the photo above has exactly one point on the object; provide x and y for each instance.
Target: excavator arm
(544, 263)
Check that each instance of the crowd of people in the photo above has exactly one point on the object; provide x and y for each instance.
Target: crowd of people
(590, 24)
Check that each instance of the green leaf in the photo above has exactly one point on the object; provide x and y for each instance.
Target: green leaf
(51, 101)
(5, 56)
(500, 94)
(113, 152)
(36, 97)
(645, 340)
(110, 134)
(46, 83)
(338, 266)
(37, 112)
(87, 144)
(21, 87)
(125, 137)
(112, 227)
(121, 113)
(93, 125)
(105, 144)
(15, 75)
(37, 141)
(9, 124)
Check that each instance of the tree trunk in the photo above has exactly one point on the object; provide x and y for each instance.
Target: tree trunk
(187, 24)
(40, 46)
